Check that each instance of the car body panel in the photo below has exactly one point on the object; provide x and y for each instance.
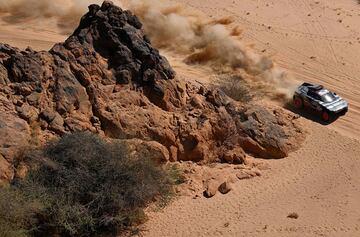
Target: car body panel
(321, 99)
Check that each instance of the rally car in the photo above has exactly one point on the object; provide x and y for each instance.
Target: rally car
(326, 103)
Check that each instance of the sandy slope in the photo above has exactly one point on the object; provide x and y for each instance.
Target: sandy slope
(321, 181)
(321, 185)
(40, 35)
(319, 41)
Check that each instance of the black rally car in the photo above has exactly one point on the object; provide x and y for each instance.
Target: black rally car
(328, 104)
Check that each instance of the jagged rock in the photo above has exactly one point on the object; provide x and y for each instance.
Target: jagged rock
(271, 134)
(14, 134)
(5, 105)
(57, 124)
(248, 173)
(27, 112)
(155, 150)
(33, 98)
(4, 80)
(243, 175)
(234, 156)
(6, 171)
(48, 115)
(108, 70)
(138, 148)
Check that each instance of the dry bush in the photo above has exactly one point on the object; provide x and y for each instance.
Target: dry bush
(236, 88)
(17, 213)
(81, 185)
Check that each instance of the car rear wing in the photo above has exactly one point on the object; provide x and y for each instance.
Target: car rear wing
(312, 86)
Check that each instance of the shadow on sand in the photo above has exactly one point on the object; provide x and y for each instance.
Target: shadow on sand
(309, 114)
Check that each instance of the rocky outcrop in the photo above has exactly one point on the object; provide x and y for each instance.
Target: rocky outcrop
(138, 148)
(215, 178)
(108, 79)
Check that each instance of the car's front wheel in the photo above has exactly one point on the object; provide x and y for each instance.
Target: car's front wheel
(325, 116)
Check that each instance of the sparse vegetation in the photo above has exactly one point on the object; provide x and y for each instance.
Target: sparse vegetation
(236, 88)
(81, 185)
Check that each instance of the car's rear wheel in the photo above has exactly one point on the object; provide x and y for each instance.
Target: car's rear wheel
(298, 102)
(325, 116)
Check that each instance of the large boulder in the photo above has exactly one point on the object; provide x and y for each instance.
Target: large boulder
(271, 133)
(138, 148)
(14, 135)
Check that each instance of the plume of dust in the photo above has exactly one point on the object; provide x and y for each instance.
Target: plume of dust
(177, 28)
(66, 12)
(169, 26)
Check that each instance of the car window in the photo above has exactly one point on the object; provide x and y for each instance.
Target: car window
(314, 95)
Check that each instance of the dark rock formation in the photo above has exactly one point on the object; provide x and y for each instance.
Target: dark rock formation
(107, 78)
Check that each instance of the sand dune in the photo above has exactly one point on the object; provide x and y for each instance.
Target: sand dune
(318, 41)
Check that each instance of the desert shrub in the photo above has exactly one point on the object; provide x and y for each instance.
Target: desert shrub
(17, 213)
(81, 185)
(236, 88)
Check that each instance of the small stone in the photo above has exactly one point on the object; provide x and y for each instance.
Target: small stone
(293, 215)
(243, 175)
(211, 188)
(225, 187)
(235, 156)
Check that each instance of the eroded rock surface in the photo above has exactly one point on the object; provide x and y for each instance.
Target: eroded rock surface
(108, 79)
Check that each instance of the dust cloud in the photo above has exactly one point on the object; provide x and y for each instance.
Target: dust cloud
(172, 26)
(67, 13)
(205, 41)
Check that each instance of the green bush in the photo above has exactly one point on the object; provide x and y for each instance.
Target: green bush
(81, 185)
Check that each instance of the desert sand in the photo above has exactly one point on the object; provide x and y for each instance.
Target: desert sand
(320, 185)
(317, 41)
(39, 36)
